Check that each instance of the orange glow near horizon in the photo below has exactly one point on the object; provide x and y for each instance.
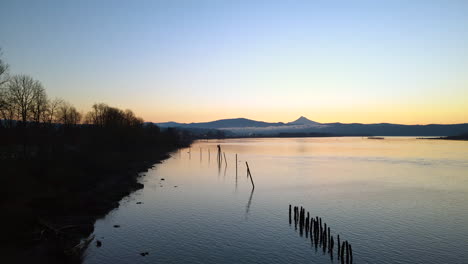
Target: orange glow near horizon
(173, 61)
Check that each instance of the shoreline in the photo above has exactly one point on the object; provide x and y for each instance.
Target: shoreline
(458, 138)
(51, 228)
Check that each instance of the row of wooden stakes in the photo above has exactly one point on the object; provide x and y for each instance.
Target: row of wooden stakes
(320, 234)
(220, 160)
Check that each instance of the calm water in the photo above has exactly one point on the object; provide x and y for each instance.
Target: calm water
(398, 200)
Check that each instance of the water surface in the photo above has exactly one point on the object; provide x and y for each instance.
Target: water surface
(398, 200)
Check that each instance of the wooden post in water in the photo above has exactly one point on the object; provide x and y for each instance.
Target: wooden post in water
(236, 178)
(339, 245)
(295, 217)
(311, 226)
(350, 254)
(324, 236)
(347, 252)
(321, 231)
(225, 160)
(289, 207)
(332, 243)
(250, 174)
(220, 158)
(209, 154)
(342, 252)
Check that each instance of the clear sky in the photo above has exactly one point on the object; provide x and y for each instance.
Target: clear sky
(194, 60)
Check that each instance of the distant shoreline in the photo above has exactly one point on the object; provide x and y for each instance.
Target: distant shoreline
(461, 138)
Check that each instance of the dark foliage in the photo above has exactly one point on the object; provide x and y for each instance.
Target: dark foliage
(56, 175)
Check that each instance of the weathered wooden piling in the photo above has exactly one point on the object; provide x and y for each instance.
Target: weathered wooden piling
(320, 231)
(347, 252)
(225, 160)
(339, 246)
(250, 174)
(236, 171)
(311, 227)
(342, 252)
(220, 158)
(324, 235)
(332, 243)
(300, 221)
(320, 234)
(295, 217)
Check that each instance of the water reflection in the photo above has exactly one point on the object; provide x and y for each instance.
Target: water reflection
(247, 208)
(398, 200)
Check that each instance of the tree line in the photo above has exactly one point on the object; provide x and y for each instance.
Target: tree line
(33, 125)
(23, 100)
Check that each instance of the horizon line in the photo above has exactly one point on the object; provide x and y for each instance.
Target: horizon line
(320, 123)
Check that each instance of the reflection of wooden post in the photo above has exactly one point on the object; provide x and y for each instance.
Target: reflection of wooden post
(249, 174)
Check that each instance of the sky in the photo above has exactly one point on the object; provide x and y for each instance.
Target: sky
(194, 60)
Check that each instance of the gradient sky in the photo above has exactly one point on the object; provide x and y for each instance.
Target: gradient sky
(191, 61)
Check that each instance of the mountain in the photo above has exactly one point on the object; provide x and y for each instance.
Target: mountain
(248, 127)
(303, 121)
(223, 124)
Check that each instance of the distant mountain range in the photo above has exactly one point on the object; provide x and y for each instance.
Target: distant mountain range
(305, 126)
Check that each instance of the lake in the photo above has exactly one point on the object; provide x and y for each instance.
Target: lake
(397, 200)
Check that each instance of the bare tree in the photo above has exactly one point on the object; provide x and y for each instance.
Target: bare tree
(105, 116)
(51, 114)
(24, 93)
(39, 106)
(4, 70)
(68, 115)
(7, 109)
(4, 102)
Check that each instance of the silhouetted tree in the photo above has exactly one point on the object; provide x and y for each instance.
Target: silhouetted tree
(51, 113)
(24, 93)
(4, 70)
(68, 115)
(39, 105)
(5, 112)
(103, 115)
